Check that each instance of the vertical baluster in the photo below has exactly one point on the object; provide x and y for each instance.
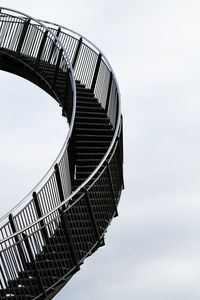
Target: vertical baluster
(54, 45)
(108, 93)
(77, 52)
(57, 67)
(96, 73)
(39, 213)
(3, 271)
(112, 189)
(22, 37)
(40, 51)
(59, 184)
(17, 240)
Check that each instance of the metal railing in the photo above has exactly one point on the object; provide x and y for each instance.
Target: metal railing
(36, 220)
(30, 40)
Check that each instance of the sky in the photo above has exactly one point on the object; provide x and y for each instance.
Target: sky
(152, 248)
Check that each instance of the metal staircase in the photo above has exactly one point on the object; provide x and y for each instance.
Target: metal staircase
(47, 236)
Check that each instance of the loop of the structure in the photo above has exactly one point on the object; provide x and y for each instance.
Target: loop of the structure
(63, 220)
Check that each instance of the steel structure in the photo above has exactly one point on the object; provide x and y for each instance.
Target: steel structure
(46, 237)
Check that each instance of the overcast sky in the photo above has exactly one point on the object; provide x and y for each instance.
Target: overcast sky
(152, 249)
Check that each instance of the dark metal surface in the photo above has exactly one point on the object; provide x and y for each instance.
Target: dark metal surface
(63, 220)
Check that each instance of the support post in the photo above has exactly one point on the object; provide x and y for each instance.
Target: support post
(68, 97)
(54, 45)
(17, 240)
(57, 66)
(112, 189)
(120, 161)
(22, 37)
(59, 184)
(39, 213)
(77, 52)
(109, 91)
(96, 73)
(44, 38)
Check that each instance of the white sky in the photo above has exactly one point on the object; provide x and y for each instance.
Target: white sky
(152, 249)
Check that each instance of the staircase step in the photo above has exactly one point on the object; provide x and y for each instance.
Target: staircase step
(93, 137)
(94, 131)
(88, 104)
(91, 150)
(93, 125)
(84, 175)
(93, 143)
(85, 155)
(94, 114)
(82, 93)
(88, 161)
(85, 98)
(54, 271)
(83, 168)
(21, 297)
(92, 119)
(53, 255)
(90, 109)
(18, 291)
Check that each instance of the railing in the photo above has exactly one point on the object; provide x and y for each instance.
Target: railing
(36, 219)
(27, 37)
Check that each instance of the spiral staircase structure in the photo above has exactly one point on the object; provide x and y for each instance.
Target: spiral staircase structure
(47, 236)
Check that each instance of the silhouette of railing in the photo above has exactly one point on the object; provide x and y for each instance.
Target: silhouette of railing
(46, 237)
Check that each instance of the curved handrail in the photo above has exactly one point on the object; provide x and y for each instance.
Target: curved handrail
(50, 221)
(47, 174)
(119, 102)
(44, 216)
(117, 129)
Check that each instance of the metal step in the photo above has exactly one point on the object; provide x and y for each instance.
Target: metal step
(92, 125)
(94, 131)
(93, 137)
(94, 114)
(90, 149)
(92, 118)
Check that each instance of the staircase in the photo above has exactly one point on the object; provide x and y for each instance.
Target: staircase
(48, 235)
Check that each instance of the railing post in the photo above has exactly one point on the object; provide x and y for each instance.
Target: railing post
(17, 240)
(33, 265)
(57, 66)
(59, 184)
(92, 216)
(112, 189)
(54, 44)
(96, 73)
(68, 97)
(77, 52)
(44, 38)
(39, 213)
(23, 34)
(109, 90)
(120, 161)
(120, 143)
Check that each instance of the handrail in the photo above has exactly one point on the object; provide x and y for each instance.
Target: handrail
(57, 229)
(72, 79)
(44, 216)
(117, 129)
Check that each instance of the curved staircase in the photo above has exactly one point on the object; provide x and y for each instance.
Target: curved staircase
(47, 236)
